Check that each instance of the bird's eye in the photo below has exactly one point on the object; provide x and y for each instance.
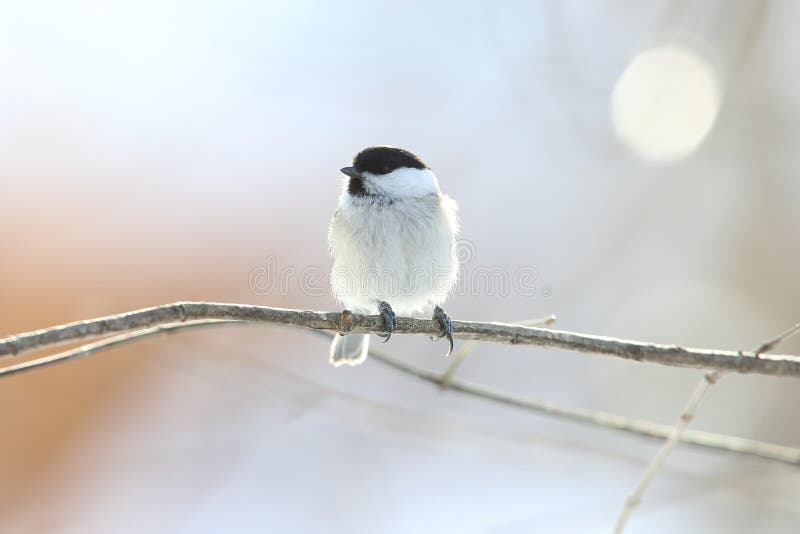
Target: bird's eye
(385, 169)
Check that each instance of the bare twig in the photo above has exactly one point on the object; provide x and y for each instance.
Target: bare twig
(675, 355)
(769, 451)
(774, 342)
(122, 339)
(678, 431)
(472, 344)
(621, 423)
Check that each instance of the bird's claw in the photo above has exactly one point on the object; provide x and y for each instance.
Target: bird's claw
(447, 327)
(389, 319)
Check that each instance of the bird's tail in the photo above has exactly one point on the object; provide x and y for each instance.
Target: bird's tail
(350, 349)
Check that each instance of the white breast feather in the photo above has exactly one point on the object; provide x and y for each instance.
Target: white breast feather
(400, 251)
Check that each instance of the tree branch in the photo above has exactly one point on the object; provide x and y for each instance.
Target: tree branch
(709, 440)
(640, 427)
(680, 429)
(345, 322)
(465, 349)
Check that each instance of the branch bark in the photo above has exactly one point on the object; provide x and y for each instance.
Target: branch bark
(346, 322)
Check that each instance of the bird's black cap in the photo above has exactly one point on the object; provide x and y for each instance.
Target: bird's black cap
(385, 159)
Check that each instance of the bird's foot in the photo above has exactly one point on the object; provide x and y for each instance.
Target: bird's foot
(447, 327)
(389, 319)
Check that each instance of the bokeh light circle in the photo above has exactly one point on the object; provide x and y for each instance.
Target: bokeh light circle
(665, 102)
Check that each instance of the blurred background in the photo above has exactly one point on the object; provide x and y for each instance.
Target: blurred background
(638, 158)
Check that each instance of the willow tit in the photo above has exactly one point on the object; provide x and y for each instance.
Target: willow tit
(392, 239)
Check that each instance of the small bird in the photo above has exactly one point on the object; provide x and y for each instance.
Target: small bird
(393, 240)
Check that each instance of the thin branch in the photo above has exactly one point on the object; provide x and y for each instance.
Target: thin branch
(471, 345)
(769, 451)
(677, 433)
(621, 423)
(346, 322)
(122, 339)
(774, 342)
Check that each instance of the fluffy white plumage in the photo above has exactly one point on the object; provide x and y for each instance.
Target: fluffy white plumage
(395, 244)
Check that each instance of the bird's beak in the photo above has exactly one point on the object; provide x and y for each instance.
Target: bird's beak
(352, 173)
